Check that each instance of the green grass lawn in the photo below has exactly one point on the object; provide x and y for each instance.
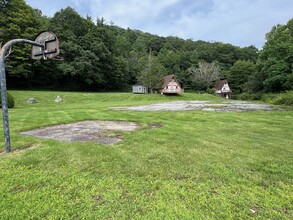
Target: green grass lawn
(199, 165)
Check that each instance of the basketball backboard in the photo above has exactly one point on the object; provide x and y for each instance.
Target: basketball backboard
(50, 47)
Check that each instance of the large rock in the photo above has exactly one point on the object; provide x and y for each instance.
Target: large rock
(58, 99)
(31, 101)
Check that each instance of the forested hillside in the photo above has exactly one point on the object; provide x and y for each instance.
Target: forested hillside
(100, 56)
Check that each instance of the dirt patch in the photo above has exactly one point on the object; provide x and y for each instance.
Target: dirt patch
(155, 125)
(20, 149)
(103, 132)
(231, 106)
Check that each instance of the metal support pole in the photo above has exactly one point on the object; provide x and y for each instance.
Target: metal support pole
(3, 52)
(4, 106)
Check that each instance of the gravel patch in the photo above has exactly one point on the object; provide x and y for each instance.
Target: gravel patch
(102, 132)
(231, 106)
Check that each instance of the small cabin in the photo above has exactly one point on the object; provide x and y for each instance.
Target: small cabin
(222, 89)
(171, 85)
(138, 89)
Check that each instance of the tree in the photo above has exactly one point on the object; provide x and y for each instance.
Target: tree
(152, 73)
(99, 55)
(122, 46)
(239, 74)
(119, 77)
(19, 20)
(169, 59)
(67, 23)
(249, 53)
(205, 74)
(276, 58)
(139, 46)
(133, 62)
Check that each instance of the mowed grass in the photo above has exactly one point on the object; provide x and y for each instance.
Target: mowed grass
(199, 165)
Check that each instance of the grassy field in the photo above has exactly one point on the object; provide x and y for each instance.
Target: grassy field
(199, 165)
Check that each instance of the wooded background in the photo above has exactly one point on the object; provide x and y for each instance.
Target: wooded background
(100, 56)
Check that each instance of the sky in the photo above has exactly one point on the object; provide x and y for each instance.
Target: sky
(238, 22)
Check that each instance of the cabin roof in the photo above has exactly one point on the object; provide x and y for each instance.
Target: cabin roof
(168, 79)
(220, 83)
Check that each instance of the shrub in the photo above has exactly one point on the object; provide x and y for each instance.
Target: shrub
(284, 99)
(257, 96)
(268, 97)
(243, 96)
(10, 101)
(248, 96)
(211, 91)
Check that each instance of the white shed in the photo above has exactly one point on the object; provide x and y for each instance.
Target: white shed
(138, 89)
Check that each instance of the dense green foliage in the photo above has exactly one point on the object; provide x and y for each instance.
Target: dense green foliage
(10, 100)
(284, 99)
(276, 59)
(199, 165)
(239, 74)
(18, 20)
(99, 56)
(152, 70)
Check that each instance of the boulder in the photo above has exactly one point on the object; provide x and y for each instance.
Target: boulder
(58, 99)
(31, 101)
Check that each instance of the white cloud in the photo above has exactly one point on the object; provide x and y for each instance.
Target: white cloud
(129, 13)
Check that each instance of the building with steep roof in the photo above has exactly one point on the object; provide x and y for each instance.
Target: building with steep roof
(171, 85)
(223, 89)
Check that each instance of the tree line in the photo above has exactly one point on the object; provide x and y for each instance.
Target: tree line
(100, 56)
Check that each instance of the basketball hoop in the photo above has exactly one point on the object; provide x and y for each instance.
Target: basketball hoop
(50, 47)
(45, 46)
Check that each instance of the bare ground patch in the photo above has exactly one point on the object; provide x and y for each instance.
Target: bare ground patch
(103, 132)
(20, 149)
(155, 125)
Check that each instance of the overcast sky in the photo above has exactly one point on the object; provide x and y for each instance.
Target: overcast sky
(238, 22)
